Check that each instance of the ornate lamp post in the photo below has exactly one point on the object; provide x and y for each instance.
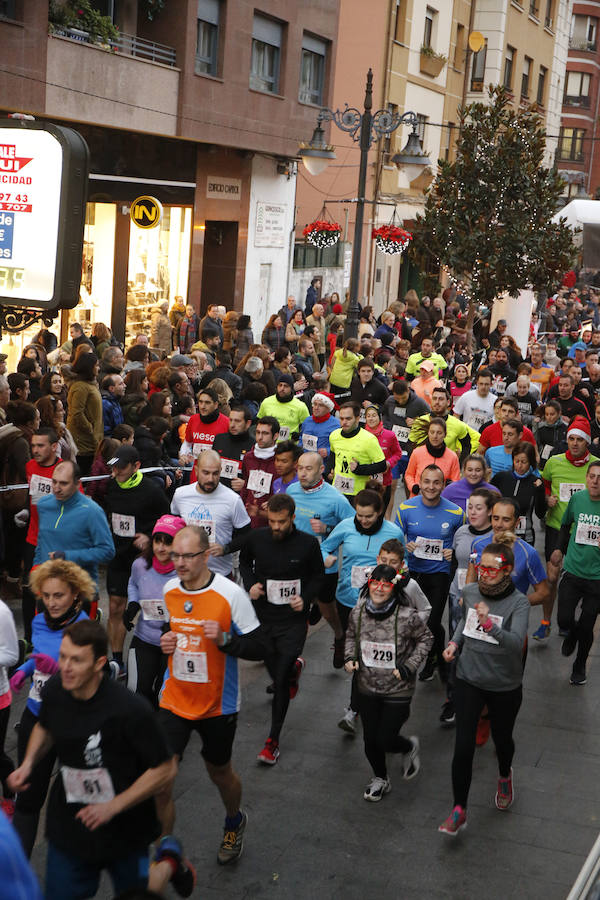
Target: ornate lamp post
(365, 128)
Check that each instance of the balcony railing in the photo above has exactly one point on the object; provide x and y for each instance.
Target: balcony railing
(576, 100)
(125, 44)
(576, 43)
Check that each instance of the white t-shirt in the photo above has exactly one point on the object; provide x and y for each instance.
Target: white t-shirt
(475, 410)
(219, 513)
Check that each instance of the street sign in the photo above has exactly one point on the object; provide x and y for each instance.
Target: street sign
(146, 212)
(43, 188)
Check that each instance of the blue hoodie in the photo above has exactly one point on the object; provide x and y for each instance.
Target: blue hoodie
(77, 528)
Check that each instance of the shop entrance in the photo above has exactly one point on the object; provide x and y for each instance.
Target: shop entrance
(219, 264)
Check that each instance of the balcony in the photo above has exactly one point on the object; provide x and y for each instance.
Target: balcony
(127, 44)
(582, 102)
(576, 43)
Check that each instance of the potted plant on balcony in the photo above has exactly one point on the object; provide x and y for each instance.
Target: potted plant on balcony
(431, 63)
(78, 20)
(322, 232)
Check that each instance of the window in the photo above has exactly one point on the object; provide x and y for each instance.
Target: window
(421, 125)
(459, 50)
(266, 52)
(8, 9)
(570, 143)
(549, 18)
(478, 71)
(541, 90)
(312, 71)
(534, 8)
(577, 89)
(399, 23)
(308, 257)
(448, 139)
(526, 77)
(584, 31)
(208, 37)
(428, 35)
(509, 61)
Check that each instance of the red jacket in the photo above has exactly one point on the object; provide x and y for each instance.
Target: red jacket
(391, 450)
(202, 435)
(265, 469)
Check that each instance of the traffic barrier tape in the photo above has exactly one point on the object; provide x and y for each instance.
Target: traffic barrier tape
(86, 478)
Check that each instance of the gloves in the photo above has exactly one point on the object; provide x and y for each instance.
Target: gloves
(18, 680)
(21, 518)
(45, 664)
(405, 673)
(131, 611)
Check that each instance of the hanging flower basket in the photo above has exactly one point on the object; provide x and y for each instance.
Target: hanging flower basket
(391, 238)
(322, 234)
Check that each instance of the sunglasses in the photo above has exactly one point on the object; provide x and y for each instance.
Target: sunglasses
(491, 570)
(380, 585)
(161, 538)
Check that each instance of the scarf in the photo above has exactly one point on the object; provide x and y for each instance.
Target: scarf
(436, 452)
(577, 462)
(131, 482)
(210, 418)
(376, 431)
(315, 487)
(373, 529)
(478, 532)
(319, 419)
(162, 568)
(284, 399)
(383, 609)
(497, 591)
(58, 623)
(526, 475)
(264, 452)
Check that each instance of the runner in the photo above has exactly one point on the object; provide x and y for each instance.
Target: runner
(258, 471)
(473, 472)
(113, 760)
(429, 524)
(9, 656)
(355, 454)
(150, 572)
(317, 428)
(490, 637)
(476, 407)
(492, 435)
(500, 457)
(202, 428)
(388, 443)
(524, 483)
(211, 621)
(285, 407)
(459, 437)
(579, 536)
(386, 642)
(232, 446)
(287, 454)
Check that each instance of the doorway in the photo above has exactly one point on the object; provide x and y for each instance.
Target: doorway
(219, 264)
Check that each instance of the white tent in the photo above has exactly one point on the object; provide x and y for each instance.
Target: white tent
(579, 213)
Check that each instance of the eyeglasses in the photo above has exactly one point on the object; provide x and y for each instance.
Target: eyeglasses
(490, 570)
(185, 556)
(162, 538)
(380, 585)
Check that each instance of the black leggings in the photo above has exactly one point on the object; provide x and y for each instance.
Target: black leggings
(30, 802)
(469, 702)
(570, 591)
(288, 642)
(435, 586)
(382, 718)
(6, 764)
(146, 665)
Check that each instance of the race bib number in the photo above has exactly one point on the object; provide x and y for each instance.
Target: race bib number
(587, 534)
(546, 451)
(344, 484)
(310, 442)
(189, 666)
(461, 578)
(284, 433)
(230, 468)
(197, 449)
(566, 490)
(209, 527)
(474, 630)
(521, 526)
(378, 654)
(123, 526)
(153, 610)
(429, 548)
(281, 592)
(38, 681)
(499, 386)
(359, 575)
(477, 419)
(259, 482)
(87, 785)
(39, 486)
(401, 432)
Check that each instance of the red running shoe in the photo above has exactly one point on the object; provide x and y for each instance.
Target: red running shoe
(295, 679)
(269, 753)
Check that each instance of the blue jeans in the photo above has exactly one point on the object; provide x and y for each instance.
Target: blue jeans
(69, 878)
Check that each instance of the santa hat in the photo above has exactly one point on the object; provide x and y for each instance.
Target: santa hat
(580, 427)
(326, 399)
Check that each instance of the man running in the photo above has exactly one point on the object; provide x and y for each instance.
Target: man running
(355, 454)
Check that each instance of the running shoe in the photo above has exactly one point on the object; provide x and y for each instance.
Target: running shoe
(8, 808)
(542, 633)
(232, 843)
(295, 679)
(339, 645)
(183, 878)
(269, 753)
(448, 714)
(578, 676)
(456, 821)
(376, 789)
(114, 670)
(483, 731)
(348, 721)
(505, 794)
(569, 643)
(428, 670)
(411, 761)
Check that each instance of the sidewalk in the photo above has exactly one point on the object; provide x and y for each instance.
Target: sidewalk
(311, 836)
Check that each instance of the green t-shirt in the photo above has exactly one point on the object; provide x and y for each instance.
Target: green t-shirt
(415, 359)
(583, 553)
(565, 479)
(290, 415)
(364, 447)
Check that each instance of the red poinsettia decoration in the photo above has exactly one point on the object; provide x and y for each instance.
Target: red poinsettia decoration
(569, 279)
(391, 238)
(322, 234)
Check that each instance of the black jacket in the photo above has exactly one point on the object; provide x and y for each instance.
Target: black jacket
(232, 446)
(227, 374)
(138, 508)
(373, 391)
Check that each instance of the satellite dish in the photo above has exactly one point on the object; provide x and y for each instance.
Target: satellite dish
(476, 41)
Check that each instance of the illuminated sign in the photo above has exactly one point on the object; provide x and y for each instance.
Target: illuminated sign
(43, 187)
(146, 212)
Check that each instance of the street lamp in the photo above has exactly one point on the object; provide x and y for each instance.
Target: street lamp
(365, 128)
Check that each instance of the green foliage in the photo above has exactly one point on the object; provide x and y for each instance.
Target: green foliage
(152, 8)
(488, 214)
(426, 50)
(81, 14)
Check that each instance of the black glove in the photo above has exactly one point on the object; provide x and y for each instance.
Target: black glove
(131, 611)
(405, 673)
